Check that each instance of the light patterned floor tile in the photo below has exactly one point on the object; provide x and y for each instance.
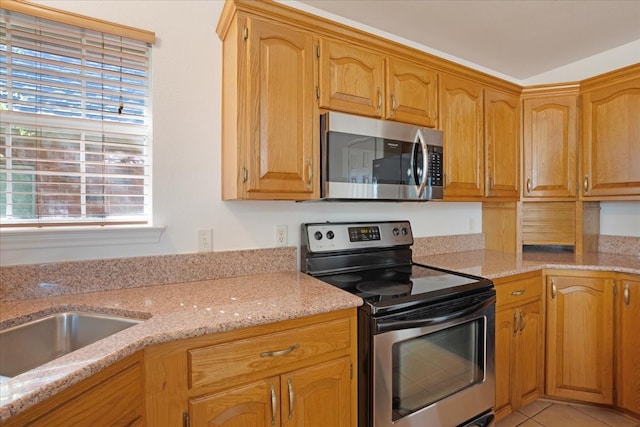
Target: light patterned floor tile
(535, 407)
(560, 415)
(512, 420)
(530, 423)
(608, 416)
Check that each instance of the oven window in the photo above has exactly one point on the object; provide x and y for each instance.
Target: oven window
(431, 367)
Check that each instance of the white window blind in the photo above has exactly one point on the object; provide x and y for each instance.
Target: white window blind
(74, 124)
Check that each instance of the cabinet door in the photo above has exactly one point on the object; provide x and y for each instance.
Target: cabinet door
(611, 140)
(462, 126)
(252, 405)
(502, 142)
(113, 397)
(580, 338)
(529, 354)
(550, 147)
(318, 396)
(282, 136)
(351, 79)
(412, 93)
(504, 366)
(628, 343)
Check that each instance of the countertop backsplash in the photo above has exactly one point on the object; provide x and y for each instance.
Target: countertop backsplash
(31, 281)
(622, 245)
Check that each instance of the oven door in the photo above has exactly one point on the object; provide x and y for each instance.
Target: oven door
(435, 366)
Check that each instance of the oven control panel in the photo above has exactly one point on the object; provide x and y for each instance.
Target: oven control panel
(334, 236)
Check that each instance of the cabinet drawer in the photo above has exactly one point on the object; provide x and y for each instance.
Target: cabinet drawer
(269, 354)
(518, 291)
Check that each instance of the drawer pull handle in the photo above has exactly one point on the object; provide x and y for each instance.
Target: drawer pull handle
(516, 322)
(554, 289)
(523, 322)
(518, 292)
(291, 398)
(279, 352)
(274, 403)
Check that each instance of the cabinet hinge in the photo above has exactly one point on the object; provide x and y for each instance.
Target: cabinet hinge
(186, 420)
(245, 33)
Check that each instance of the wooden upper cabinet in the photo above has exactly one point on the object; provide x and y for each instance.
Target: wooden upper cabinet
(351, 79)
(412, 93)
(461, 111)
(611, 140)
(550, 147)
(502, 145)
(270, 146)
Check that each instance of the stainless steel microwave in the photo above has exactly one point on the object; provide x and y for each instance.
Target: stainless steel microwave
(370, 159)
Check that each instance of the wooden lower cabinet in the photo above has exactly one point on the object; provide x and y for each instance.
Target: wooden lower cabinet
(519, 342)
(112, 397)
(628, 344)
(580, 336)
(313, 397)
(288, 374)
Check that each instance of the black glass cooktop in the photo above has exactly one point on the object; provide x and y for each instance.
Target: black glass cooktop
(405, 285)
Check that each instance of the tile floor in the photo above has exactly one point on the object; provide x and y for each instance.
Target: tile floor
(547, 413)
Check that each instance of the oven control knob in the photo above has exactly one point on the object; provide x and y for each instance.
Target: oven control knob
(396, 231)
(318, 235)
(330, 235)
(405, 231)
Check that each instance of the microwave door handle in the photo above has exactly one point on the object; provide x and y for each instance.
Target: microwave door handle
(425, 161)
(394, 325)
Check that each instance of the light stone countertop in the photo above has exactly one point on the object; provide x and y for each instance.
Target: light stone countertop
(183, 310)
(495, 264)
(174, 312)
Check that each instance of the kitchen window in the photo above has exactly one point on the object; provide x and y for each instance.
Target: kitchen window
(75, 119)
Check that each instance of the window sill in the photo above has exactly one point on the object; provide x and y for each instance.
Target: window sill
(38, 238)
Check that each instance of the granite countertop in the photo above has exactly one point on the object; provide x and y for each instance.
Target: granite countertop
(495, 264)
(183, 310)
(174, 312)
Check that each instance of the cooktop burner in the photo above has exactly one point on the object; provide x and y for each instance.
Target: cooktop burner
(384, 288)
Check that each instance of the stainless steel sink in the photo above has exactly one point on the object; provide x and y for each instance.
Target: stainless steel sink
(35, 343)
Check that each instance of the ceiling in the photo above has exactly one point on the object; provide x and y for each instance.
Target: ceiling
(516, 38)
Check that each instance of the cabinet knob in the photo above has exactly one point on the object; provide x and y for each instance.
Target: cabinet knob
(528, 185)
(585, 183)
(309, 174)
(554, 289)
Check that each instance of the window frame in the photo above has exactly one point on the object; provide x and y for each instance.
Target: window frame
(122, 31)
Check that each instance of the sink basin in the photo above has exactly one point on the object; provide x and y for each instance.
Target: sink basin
(35, 343)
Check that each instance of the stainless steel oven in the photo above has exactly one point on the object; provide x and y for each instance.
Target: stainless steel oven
(426, 336)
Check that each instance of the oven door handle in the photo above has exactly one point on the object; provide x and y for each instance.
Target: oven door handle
(393, 325)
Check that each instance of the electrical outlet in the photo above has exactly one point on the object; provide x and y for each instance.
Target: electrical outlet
(282, 238)
(205, 240)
